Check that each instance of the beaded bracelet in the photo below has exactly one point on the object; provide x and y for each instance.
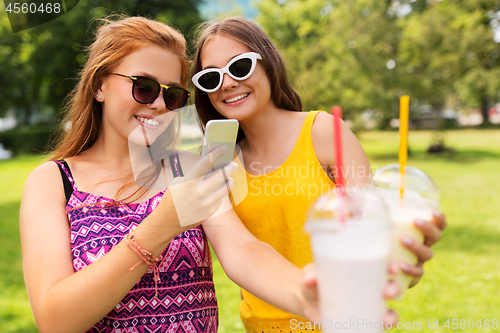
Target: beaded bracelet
(146, 257)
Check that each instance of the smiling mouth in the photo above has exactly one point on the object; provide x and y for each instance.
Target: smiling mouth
(235, 99)
(151, 122)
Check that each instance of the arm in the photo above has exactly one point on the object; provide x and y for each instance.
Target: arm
(259, 268)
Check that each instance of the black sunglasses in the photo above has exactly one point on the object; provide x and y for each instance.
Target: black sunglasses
(145, 90)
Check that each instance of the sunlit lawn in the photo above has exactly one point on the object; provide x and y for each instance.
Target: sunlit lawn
(462, 281)
(15, 313)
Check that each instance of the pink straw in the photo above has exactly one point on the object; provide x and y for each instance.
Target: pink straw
(337, 136)
(339, 161)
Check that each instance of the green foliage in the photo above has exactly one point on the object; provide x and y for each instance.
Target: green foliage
(364, 54)
(449, 49)
(28, 140)
(38, 65)
(10, 62)
(339, 50)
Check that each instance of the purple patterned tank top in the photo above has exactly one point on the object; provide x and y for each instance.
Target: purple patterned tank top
(186, 299)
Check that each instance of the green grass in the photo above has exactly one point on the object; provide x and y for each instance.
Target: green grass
(15, 313)
(462, 281)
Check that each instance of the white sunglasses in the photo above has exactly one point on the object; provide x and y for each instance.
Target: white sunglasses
(239, 68)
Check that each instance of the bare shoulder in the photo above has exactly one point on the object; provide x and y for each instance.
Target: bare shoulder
(46, 177)
(322, 130)
(43, 194)
(322, 138)
(323, 125)
(354, 155)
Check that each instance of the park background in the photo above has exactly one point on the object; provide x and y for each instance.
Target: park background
(362, 55)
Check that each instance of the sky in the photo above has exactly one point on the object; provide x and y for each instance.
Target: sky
(210, 9)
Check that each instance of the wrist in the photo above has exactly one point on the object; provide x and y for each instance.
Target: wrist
(162, 225)
(145, 257)
(299, 293)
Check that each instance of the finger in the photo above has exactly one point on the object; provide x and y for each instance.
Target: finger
(310, 282)
(412, 270)
(430, 231)
(393, 268)
(214, 179)
(391, 290)
(215, 207)
(439, 219)
(215, 197)
(390, 317)
(309, 288)
(423, 252)
(206, 163)
(221, 191)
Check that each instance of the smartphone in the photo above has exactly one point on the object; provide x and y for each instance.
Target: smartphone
(221, 132)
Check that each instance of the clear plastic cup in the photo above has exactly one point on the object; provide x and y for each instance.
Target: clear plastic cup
(351, 259)
(421, 198)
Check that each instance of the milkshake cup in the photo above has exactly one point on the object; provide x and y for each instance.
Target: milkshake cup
(351, 259)
(420, 199)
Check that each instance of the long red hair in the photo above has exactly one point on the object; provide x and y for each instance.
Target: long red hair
(116, 38)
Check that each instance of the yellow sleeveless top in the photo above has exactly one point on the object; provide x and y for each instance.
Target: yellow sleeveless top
(275, 210)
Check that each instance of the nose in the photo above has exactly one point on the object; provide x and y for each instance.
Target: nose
(159, 104)
(228, 82)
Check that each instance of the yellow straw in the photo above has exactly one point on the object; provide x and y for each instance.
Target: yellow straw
(404, 109)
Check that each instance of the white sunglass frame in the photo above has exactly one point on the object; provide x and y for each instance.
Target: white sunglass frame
(225, 70)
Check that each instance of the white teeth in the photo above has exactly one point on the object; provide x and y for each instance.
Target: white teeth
(237, 98)
(148, 121)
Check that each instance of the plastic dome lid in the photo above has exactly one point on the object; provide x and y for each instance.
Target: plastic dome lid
(416, 182)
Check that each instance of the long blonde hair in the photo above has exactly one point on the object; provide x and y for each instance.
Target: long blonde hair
(116, 38)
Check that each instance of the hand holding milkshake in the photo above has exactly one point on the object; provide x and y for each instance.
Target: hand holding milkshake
(421, 198)
(351, 258)
(350, 241)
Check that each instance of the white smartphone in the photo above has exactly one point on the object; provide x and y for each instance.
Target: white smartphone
(220, 132)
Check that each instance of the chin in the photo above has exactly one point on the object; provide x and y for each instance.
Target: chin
(237, 113)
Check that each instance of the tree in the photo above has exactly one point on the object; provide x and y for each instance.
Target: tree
(11, 92)
(342, 51)
(41, 62)
(449, 49)
(364, 54)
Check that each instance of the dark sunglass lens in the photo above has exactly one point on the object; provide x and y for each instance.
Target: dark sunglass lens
(241, 68)
(145, 90)
(209, 80)
(175, 98)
